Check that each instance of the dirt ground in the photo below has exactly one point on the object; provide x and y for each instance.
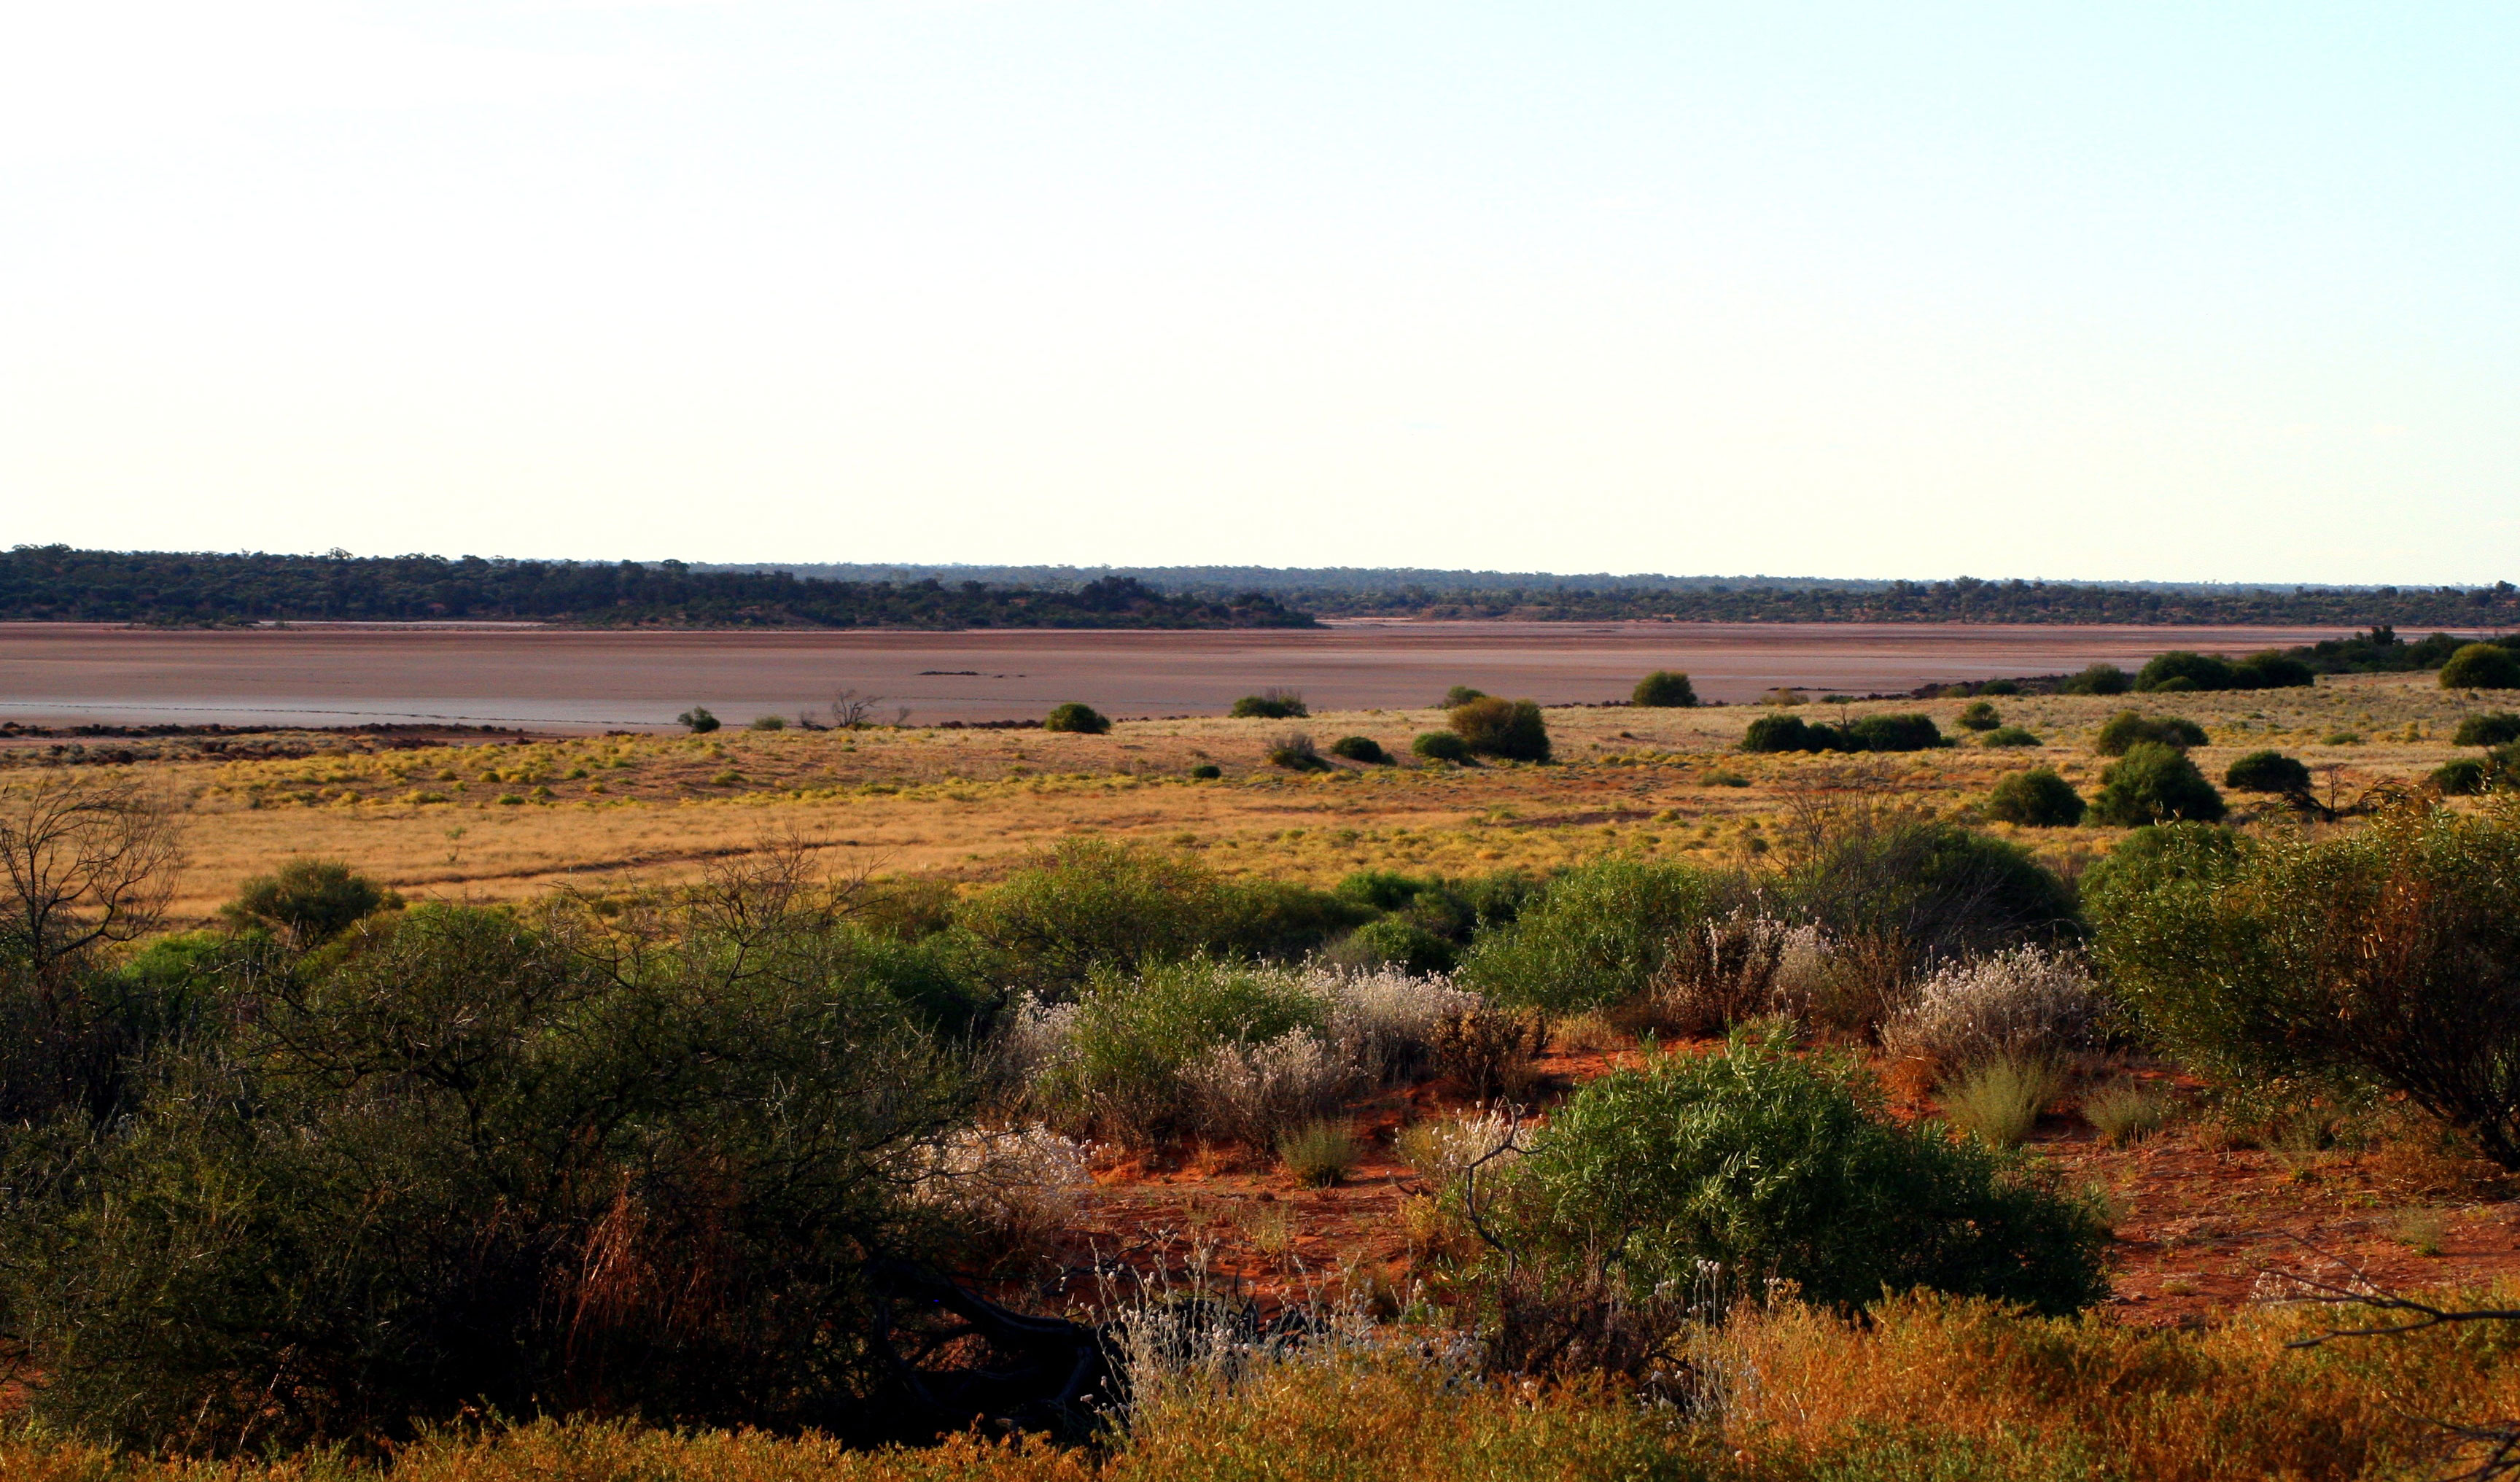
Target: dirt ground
(315, 675)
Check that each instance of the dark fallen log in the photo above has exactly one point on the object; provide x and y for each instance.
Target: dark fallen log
(963, 1363)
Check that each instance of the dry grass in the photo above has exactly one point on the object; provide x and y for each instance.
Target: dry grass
(961, 802)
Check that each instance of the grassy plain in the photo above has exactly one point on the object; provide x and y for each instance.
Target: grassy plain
(507, 820)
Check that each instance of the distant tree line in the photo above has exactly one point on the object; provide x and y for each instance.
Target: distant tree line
(57, 583)
(1362, 592)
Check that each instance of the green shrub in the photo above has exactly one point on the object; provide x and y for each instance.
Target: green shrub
(2495, 728)
(1256, 915)
(1595, 936)
(767, 722)
(2154, 784)
(2466, 777)
(1998, 1100)
(1460, 696)
(1923, 889)
(1295, 752)
(2482, 667)
(1361, 748)
(1511, 728)
(2128, 1112)
(311, 900)
(2267, 772)
(1319, 1153)
(1892, 733)
(1090, 903)
(2038, 798)
(1778, 1166)
(2273, 669)
(2385, 957)
(2010, 736)
(1441, 747)
(1980, 716)
(1786, 733)
(698, 720)
(1271, 704)
(2202, 672)
(1396, 943)
(1999, 686)
(1664, 689)
(2129, 728)
(1079, 719)
(1124, 1068)
(1207, 770)
(2341, 739)
(2098, 679)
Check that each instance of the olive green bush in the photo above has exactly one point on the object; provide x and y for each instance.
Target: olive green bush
(1271, 704)
(1441, 747)
(1593, 937)
(2038, 798)
(2267, 772)
(1981, 715)
(698, 720)
(1868, 733)
(2129, 728)
(1294, 751)
(311, 900)
(1361, 748)
(1919, 889)
(2153, 783)
(1778, 1165)
(1511, 728)
(2482, 667)
(2495, 728)
(2098, 679)
(1663, 689)
(2384, 958)
(1077, 718)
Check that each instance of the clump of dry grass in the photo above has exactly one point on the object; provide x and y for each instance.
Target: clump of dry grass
(2000, 1101)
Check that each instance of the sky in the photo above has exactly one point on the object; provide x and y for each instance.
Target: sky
(2171, 291)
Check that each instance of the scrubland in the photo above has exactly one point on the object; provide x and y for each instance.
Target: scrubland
(1000, 1103)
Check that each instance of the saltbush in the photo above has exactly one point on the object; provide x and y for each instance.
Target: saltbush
(1460, 696)
(2153, 783)
(2464, 777)
(2267, 772)
(2030, 1004)
(2098, 679)
(310, 901)
(1271, 704)
(2495, 728)
(2130, 727)
(1594, 937)
(1664, 688)
(1921, 890)
(1868, 733)
(2010, 736)
(1441, 747)
(2038, 798)
(1294, 751)
(1509, 729)
(1361, 748)
(1775, 1165)
(1077, 718)
(2388, 957)
(698, 720)
(1980, 716)
(2482, 667)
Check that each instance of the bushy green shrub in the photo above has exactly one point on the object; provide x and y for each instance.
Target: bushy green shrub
(455, 1164)
(1593, 937)
(2482, 667)
(1511, 728)
(2273, 669)
(1776, 1165)
(2267, 772)
(1207, 771)
(1076, 718)
(2495, 728)
(1786, 733)
(767, 722)
(1663, 689)
(1123, 1071)
(2155, 783)
(1460, 696)
(1867, 733)
(1921, 890)
(1271, 704)
(310, 900)
(2129, 728)
(2038, 798)
(1999, 686)
(1396, 943)
(1295, 752)
(2098, 679)
(1361, 748)
(2387, 957)
(698, 720)
(1441, 747)
(2464, 777)
(1980, 716)
(2010, 736)
(2181, 669)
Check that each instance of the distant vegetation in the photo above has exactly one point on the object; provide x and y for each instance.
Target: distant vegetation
(55, 583)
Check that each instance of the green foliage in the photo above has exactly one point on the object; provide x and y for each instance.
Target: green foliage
(2482, 667)
(2038, 798)
(311, 900)
(1921, 888)
(768, 723)
(1441, 747)
(1077, 718)
(2495, 728)
(457, 1164)
(1663, 689)
(1867, 733)
(1594, 937)
(1980, 716)
(2129, 728)
(1361, 748)
(2181, 669)
(1123, 1071)
(1295, 751)
(1777, 1165)
(1207, 770)
(1511, 728)
(1319, 1153)
(2010, 736)
(2267, 772)
(698, 720)
(2154, 784)
(1398, 943)
(2098, 679)
(2388, 957)
(1271, 704)
(2464, 777)
(1460, 696)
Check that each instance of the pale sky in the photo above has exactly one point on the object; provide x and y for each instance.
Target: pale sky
(2174, 292)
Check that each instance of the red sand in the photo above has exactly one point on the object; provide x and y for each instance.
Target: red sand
(56, 673)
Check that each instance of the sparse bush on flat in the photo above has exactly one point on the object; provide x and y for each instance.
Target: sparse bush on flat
(1663, 689)
(1441, 747)
(1076, 718)
(2010, 736)
(1361, 748)
(311, 900)
(1980, 715)
(1271, 704)
(698, 720)
(1294, 751)
(1509, 729)
(1865, 733)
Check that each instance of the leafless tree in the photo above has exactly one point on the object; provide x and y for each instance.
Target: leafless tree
(852, 709)
(2492, 1448)
(89, 863)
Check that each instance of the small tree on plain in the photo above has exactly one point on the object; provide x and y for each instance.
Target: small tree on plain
(1664, 689)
